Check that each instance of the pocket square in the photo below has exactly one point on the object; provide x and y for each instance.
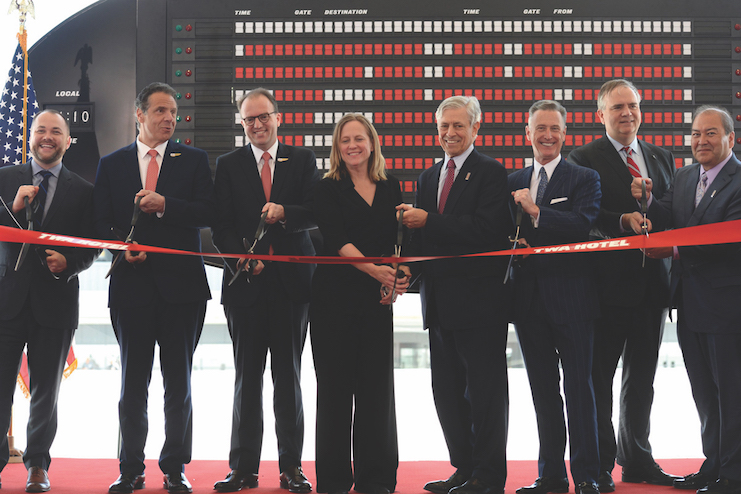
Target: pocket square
(559, 199)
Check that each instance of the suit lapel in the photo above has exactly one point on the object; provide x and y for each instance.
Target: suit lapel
(169, 162)
(64, 183)
(554, 183)
(724, 178)
(615, 162)
(652, 164)
(249, 168)
(461, 181)
(428, 196)
(281, 171)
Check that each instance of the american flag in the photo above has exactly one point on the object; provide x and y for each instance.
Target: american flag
(11, 111)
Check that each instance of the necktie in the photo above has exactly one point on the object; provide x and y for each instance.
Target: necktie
(632, 165)
(701, 186)
(153, 171)
(41, 196)
(449, 178)
(267, 182)
(541, 186)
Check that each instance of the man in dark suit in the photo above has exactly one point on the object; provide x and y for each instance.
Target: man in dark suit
(555, 302)
(39, 302)
(156, 298)
(634, 298)
(270, 310)
(706, 289)
(464, 303)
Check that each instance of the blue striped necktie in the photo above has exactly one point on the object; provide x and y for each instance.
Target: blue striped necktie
(41, 196)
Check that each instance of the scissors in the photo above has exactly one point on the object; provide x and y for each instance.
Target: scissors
(397, 253)
(25, 247)
(129, 238)
(644, 210)
(518, 221)
(261, 231)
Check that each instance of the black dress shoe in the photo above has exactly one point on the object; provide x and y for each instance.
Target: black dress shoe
(605, 482)
(126, 483)
(176, 483)
(694, 481)
(586, 488)
(444, 486)
(542, 485)
(652, 474)
(294, 480)
(722, 486)
(38, 480)
(236, 481)
(476, 486)
(376, 489)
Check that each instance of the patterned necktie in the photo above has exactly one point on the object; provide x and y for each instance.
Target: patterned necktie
(449, 178)
(267, 181)
(543, 175)
(701, 186)
(153, 171)
(41, 196)
(632, 165)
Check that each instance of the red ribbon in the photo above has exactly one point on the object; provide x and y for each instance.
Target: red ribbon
(714, 233)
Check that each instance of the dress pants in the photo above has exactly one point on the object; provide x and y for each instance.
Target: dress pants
(544, 344)
(469, 385)
(353, 358)
(633, 333)
(272, 323)
(47, 355)
(176, 328)
(713, 363)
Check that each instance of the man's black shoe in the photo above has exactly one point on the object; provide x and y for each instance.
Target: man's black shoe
(543, 485)
(126, 483)
(652, 474)
(722, 486)
(294, 480)
(694, 481)
(605, 482)
(476, 486)
(176, 483)
(586, 488)
(236, 481)
(444, 486)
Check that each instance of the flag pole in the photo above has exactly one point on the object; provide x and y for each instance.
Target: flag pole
(24, 7)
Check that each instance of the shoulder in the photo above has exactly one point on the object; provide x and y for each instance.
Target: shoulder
(654, 149)
(76, 180)
(590, 149)
(174, 149)
(120, 153)
(232, 156)
(297, 152)
(577, 170)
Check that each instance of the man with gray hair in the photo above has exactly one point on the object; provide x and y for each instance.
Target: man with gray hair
(461, 208)
(706, 289)
(556, 304)
(633, 293)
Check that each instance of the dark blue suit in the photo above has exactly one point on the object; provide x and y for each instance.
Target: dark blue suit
(706, 288)
(38, 310)
(465, 304)
(270, 312)
(555, 307)
(161, 300)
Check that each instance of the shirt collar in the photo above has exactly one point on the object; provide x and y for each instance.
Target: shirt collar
(634, 147)
(549, 167)
(461, 158)
(36, 168)
(273, 150)
(714, 171)
(142, 149)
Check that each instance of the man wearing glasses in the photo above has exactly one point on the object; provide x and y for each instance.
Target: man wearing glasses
(266, 305)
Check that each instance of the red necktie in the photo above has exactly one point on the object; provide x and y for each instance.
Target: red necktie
(447, 186)
(267, 182)
(632, 166)
(153, 171)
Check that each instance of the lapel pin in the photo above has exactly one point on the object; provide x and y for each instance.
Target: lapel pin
(280, 160)
(713, 194)
(468, 175)
(173, 155)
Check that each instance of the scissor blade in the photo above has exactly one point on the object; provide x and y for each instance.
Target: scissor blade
(249, 265)
(129, 238)
(518, 222)
(644, 211)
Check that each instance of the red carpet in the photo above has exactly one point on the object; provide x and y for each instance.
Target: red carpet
(80, 476)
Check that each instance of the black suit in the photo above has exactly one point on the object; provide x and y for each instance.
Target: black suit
(270, 312)
(706, 288)
(555, 309)
(38, 310)
(161, 300)
(464, 304)
(634, 304)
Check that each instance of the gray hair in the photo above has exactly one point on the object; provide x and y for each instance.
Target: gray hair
(725, 116)
(548, 105)
(610, 86)
(470, 103)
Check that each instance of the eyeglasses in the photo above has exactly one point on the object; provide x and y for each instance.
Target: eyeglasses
(250, 121)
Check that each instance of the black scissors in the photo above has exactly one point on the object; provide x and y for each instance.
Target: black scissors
(644, 210)
(261, 231)
(397, 253)
(129, 238)
(25, 247)
(518, 221)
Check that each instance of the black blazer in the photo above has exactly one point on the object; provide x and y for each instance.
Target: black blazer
(625, 282)
(54, 303)
(466, 292)
(239, 200)
(569, 210)
(710, 275)
(185, 182)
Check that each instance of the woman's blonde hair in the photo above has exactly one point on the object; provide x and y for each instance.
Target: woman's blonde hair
(376, 162)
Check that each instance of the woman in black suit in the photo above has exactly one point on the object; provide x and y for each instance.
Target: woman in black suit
(351, 324)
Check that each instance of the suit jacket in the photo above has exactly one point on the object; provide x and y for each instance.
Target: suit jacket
(54, 303)
(239, 200)
(626, 282)
(467, 293)
(568, 211)
(709, 275)
(185, 182)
